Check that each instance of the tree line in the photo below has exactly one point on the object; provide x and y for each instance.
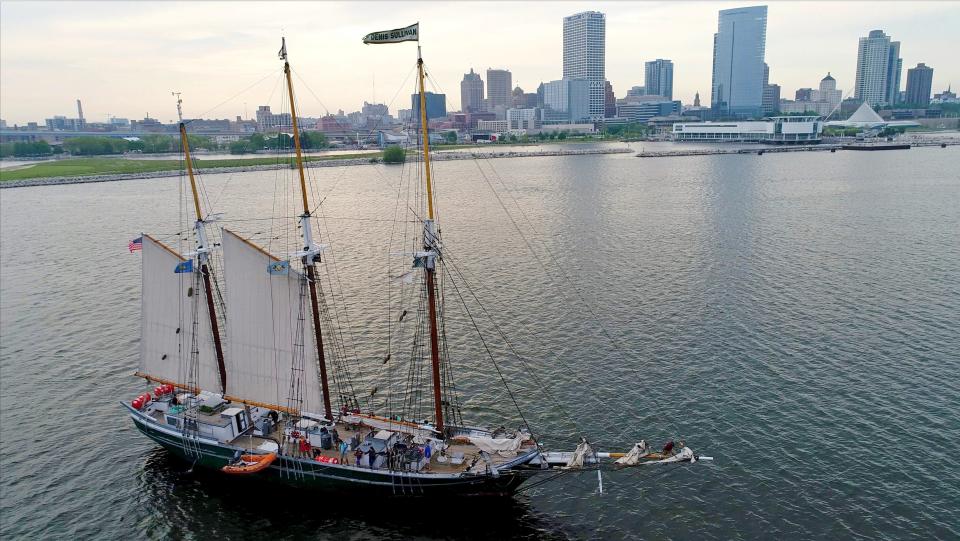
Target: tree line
(94, 145)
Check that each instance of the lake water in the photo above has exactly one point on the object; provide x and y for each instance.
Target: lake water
(793, 315)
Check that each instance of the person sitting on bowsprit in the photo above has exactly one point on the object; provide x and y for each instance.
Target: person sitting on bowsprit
(668, 448)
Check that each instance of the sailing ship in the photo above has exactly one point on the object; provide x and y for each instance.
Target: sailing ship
(241, 349)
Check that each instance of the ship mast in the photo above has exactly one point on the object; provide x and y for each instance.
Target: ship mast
(203, 249)
(311, 252)
(430, 255)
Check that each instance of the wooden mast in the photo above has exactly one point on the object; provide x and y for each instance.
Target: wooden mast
(310, 252)
(430, 245)
(203, 251)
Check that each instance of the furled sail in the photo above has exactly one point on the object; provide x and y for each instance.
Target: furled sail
(264, 310)
(169, 305)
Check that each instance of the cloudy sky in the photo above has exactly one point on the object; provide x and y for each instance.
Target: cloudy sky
(124, 58)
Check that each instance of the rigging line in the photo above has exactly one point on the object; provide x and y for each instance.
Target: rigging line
(346, 218)
(203, 114)
(519, 230)
(333, 274)
(510, 346)
(341, 126)
(556, 263)
(490, 354)
(393, 230)
(338, 347)
(546, 248)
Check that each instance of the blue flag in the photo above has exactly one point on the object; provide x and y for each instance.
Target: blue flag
(279, 267)
(186, 266)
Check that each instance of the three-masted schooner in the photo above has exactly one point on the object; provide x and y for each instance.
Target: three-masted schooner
(239, 361)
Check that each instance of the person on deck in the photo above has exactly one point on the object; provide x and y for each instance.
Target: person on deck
(358, 454)
(343, 451)
(371, 456)
(668, 448)
(305, 448)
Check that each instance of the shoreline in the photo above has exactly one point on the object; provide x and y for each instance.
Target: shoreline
(442, 156)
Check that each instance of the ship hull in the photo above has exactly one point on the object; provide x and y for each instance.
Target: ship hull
(310, 474)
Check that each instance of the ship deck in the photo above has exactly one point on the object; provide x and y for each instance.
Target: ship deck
(456, 447)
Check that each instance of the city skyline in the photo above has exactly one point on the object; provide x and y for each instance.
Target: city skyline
(124, 59)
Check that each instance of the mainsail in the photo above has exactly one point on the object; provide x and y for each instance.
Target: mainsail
(172, 312)
(271, 354)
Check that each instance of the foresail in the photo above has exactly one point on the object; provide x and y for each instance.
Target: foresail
(264, 310)
(169, 305)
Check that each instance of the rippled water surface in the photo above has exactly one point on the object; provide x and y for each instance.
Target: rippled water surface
(793, 315)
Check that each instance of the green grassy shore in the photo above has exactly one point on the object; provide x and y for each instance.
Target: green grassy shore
(79, 167)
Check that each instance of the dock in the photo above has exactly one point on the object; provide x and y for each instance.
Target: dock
(831, 147)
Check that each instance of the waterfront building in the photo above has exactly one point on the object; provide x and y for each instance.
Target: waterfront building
(819, 108)
(584, 49)
(609, 101)
(771, 93)
(471, 92)
(436, 105)
(919, 84)
(828, 93)
(499, 87)
(696, 100)
(878, 69)
(738, 59)
(62, 123)
(771, 98)
(578, 128)
(645, 110)
(524, 119)
(658, 78)
(269, 121)
(497, 126)
(947, 96)
(823, 101)
(778, 129)
(636, 91)
(566, 100)
(522, 100)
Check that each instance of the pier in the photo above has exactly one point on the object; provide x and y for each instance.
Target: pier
(832, 147)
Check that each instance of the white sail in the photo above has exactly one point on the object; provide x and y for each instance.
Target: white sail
(264, 311)
(169, 302)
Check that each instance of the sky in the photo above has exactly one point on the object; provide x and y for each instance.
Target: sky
(123, 59)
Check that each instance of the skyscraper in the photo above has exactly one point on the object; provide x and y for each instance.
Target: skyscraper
(771, 93)
(878, 69)
(919, 84)
(658, 77)
(436, 105)
(567, 100)
(584, 49)
(499, 88)
(738, 52)
(471, 92)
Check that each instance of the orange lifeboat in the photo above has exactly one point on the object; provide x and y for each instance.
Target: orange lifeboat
(250, 464)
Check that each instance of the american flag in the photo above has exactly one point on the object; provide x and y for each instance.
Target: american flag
(135, 244)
